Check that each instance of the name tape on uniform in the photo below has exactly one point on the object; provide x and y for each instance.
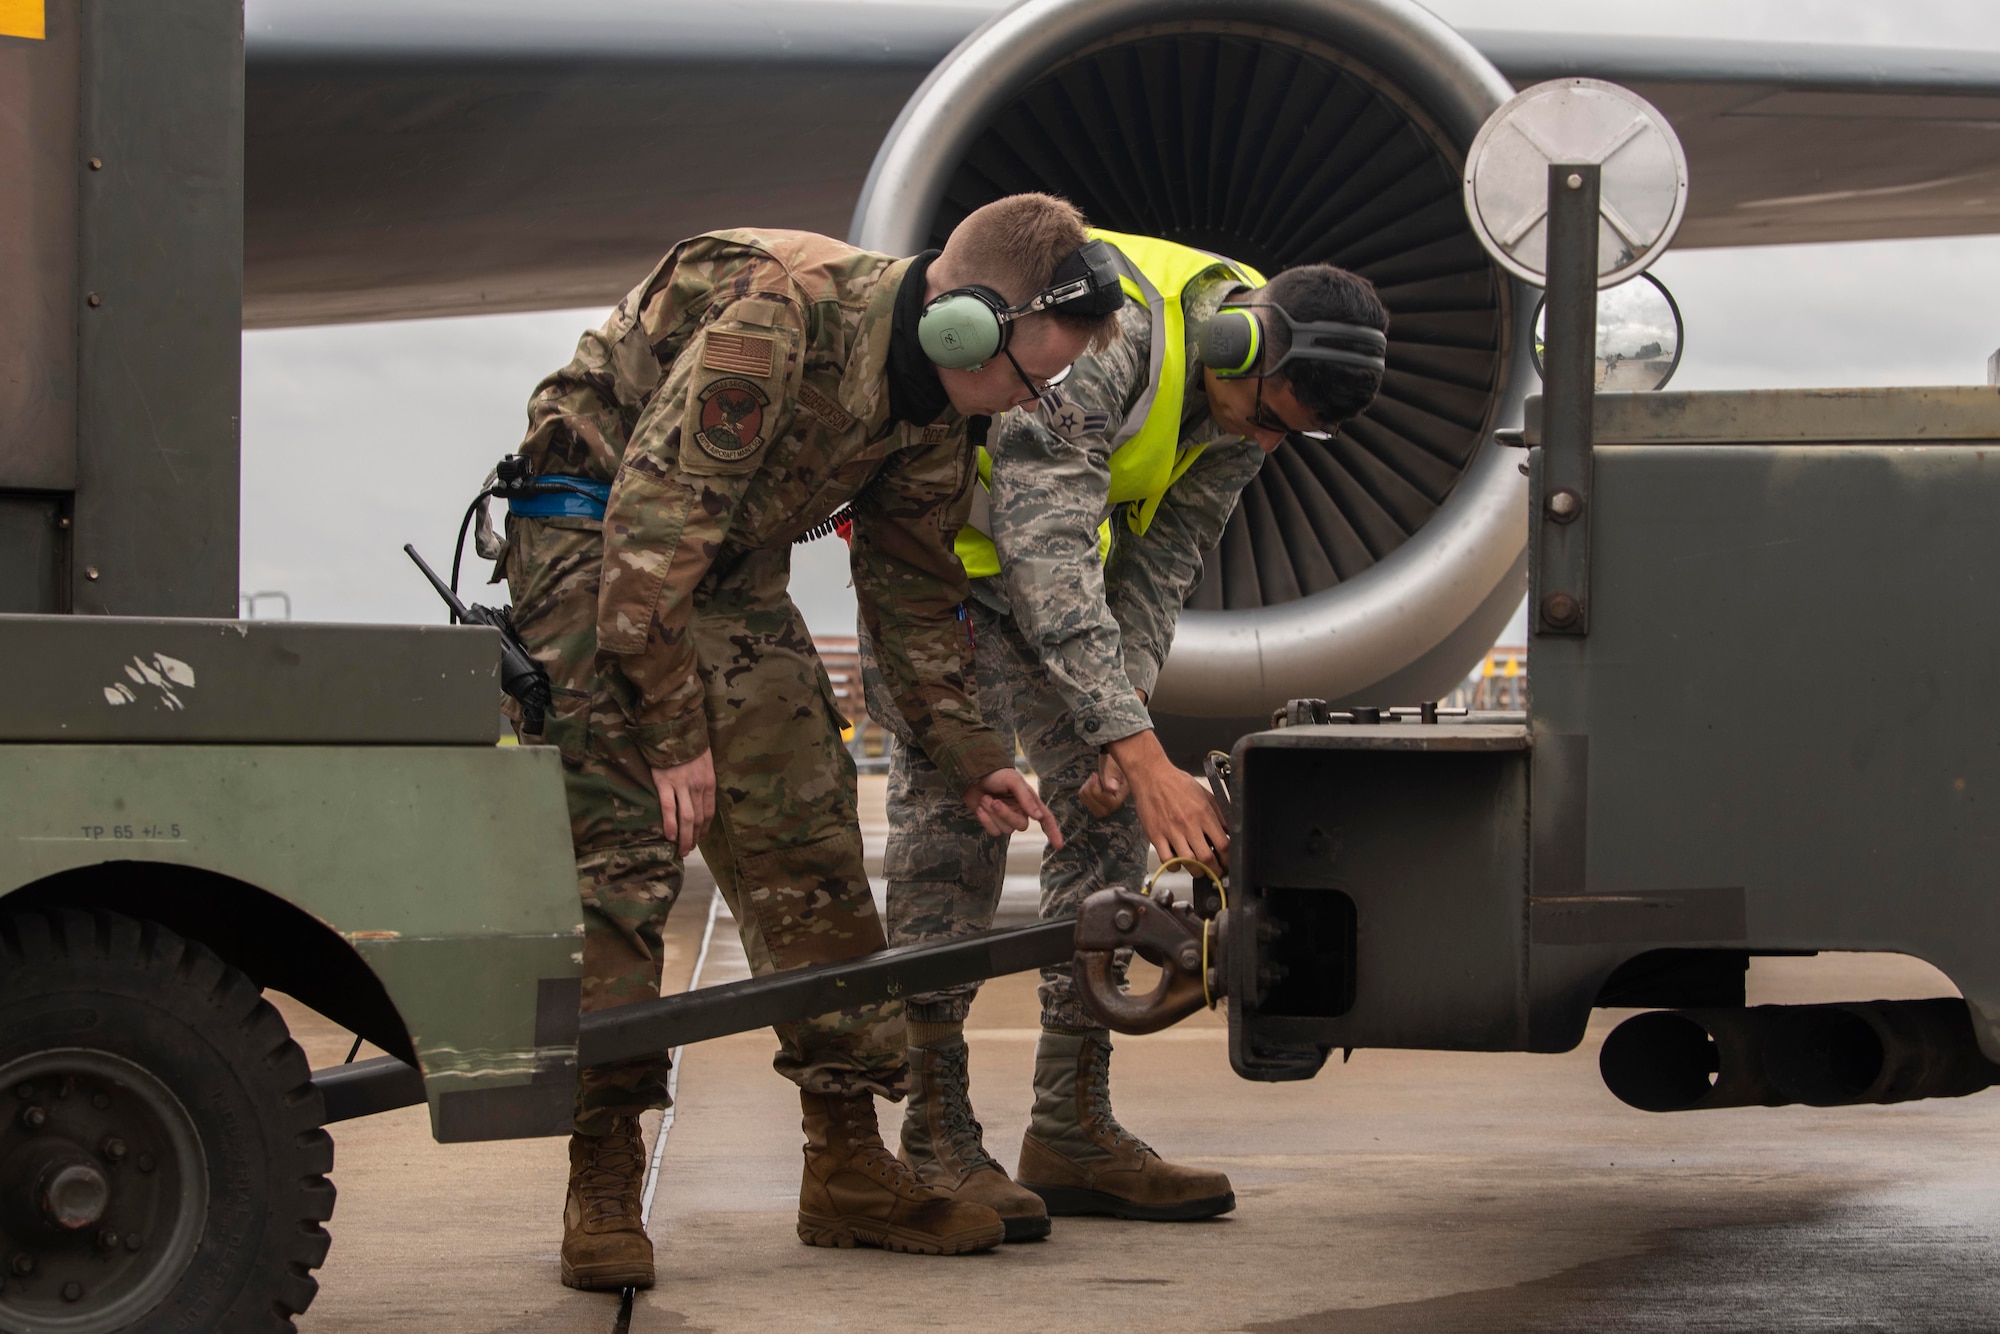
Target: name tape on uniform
(823, 407)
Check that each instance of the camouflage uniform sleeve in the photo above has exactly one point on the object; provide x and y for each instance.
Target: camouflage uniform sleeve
(1051, 479)
(910, 587)
(581, 416)
(694, 452)
(1152, 573)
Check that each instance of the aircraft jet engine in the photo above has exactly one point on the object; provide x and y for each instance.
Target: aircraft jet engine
(1379, 567)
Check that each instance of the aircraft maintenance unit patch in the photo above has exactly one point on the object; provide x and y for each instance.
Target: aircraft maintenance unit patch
(732, 418)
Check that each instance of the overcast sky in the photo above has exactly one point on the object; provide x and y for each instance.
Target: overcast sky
(358, 438)
(1935, 23)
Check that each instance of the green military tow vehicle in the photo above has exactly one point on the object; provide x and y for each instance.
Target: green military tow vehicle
(181, 834)
(196, 808)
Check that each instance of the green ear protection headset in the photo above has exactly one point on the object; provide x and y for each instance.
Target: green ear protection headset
(1232, 342)
(961, 330)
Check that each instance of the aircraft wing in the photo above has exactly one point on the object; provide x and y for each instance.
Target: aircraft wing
(432, 157)
(444, 157)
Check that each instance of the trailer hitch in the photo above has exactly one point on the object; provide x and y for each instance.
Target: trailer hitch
(1185, 940)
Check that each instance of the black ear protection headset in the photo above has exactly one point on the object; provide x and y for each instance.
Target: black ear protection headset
(964, 328)
(1233, 342)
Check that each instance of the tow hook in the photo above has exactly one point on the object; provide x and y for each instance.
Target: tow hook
(1185, 942)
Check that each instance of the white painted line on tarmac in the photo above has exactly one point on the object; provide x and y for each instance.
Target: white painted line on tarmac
(674, 1069)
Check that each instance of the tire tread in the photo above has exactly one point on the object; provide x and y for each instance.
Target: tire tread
(136, 957)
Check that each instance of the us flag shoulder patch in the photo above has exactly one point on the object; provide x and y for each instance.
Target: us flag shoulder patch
(745, 354)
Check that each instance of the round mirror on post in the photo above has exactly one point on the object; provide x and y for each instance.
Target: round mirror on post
(1639, 336)
(1643, 176)
(1577, 186)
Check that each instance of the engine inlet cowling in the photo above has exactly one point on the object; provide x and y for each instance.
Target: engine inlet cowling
(1376, 568)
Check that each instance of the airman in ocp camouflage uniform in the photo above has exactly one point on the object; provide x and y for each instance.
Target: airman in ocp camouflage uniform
(751, 386)
(1071, 657)
(1072, 623)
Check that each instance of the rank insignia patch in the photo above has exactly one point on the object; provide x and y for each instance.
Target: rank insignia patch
(745, 354)
(732, 418)
(1068, 419)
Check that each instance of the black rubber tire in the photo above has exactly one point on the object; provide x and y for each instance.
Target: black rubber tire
(108, 983)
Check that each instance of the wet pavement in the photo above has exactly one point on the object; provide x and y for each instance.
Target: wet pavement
(1404, 1191)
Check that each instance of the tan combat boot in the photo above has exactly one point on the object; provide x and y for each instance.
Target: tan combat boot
(605, 1246)
(941, 1141)
(1081, 1161)
(857, 1193)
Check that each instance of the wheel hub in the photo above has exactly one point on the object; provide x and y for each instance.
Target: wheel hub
(73, 1195)
(103, 1191)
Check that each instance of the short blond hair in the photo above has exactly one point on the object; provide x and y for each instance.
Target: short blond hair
(1014, 245)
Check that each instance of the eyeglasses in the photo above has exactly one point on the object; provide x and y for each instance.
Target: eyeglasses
(1266, 420)
(1037, 387)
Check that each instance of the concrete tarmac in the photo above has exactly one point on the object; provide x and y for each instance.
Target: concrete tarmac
(1404, 1191)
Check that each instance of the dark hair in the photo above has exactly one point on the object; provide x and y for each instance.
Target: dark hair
(1331, 392)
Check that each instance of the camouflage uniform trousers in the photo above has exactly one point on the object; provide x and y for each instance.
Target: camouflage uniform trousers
(785, 846)
(945, 872)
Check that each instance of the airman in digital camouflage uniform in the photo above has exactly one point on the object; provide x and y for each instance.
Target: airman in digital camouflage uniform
(1069, 643)
(753, 384)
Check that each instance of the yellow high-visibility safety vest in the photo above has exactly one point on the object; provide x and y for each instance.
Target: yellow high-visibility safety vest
(1146, 456)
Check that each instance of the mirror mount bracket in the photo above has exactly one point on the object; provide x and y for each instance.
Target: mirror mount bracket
(1560, 469)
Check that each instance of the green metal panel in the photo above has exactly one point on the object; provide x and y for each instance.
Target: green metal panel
(38, 300)
(449, 868)
(160, 245)
(33, 530)
(1774, 730)
(115, 678)
(39, 165)
(1930, 414)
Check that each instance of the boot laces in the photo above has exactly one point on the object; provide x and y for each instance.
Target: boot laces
(1097, 1100)
(610, 1175)
(867, 1152)
(886, 1166)
(961, 1127)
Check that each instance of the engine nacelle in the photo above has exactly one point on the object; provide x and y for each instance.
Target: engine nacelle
(1375, 569)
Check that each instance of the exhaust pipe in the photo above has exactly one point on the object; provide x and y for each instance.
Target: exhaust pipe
(1774, 1055)
(1689, 1060)
(1877, 1051)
